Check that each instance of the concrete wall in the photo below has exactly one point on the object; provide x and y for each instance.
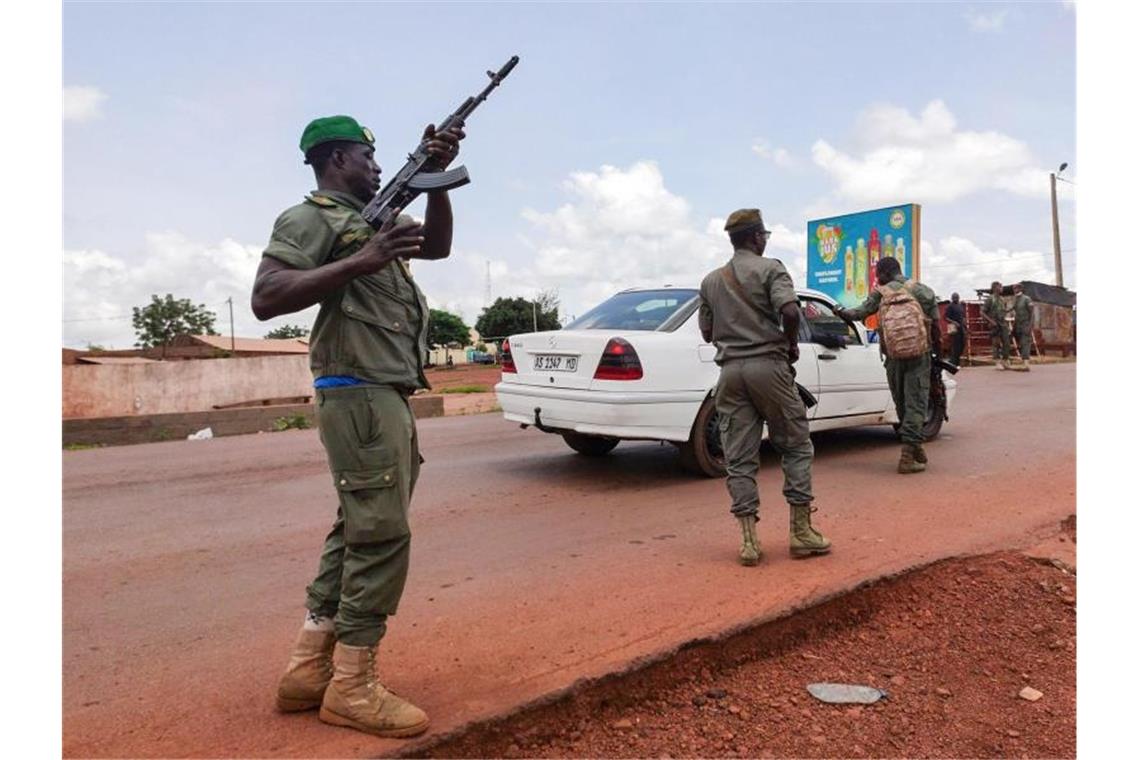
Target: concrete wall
(92, 390)
(146, 428)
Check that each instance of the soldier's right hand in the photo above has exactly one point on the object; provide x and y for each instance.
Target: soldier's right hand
(399, 241)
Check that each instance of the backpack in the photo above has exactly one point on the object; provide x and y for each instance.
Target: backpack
(903, 325)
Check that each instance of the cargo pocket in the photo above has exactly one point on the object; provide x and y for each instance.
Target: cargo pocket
(373, 505)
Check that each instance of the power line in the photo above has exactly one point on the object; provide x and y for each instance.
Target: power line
(131, 316)
(983, 262)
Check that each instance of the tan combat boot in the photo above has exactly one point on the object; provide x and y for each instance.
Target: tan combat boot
(908, 462)
(750, 553)
(357, 700)
(919, 453)
(310, 668)
(804, 540)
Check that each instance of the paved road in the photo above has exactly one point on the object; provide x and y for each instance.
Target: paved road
(533, 567)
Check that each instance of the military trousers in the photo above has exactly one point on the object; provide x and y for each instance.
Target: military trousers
(957, 345)
(1024, 341)
(369, 435)
(909, 381)
(752, 392)
(1001, 341)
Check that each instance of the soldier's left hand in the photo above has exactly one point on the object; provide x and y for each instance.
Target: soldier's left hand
(443, 146)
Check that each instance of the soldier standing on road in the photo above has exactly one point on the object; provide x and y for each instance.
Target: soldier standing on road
(908, 376)
(742, 307)
(956, 326)
(994, 312)
(1023, 323)
(366, 352)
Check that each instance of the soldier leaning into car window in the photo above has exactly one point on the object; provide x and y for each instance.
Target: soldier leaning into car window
(741, 308)
(366, 352)
(908, 378)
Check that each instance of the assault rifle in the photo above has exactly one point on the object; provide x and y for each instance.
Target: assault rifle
(937, 363)
(421, 173)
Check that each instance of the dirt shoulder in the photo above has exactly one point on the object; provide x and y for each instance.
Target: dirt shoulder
(953, 644)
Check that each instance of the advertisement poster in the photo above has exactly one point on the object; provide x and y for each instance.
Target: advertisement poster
(843, 250)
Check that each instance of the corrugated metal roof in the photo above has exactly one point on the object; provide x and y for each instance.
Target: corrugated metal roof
(115, 360)
(253, 345)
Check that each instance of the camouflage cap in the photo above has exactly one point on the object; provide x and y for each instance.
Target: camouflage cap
(743, 219)
(329, 128)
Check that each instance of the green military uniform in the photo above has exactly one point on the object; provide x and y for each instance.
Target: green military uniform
(756, 383)
(994, 307)
(909, 379)
(373, 329)
(1023, 323)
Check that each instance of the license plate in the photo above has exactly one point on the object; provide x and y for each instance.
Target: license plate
(548, 363)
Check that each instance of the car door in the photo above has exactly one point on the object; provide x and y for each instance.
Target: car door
(852, 380)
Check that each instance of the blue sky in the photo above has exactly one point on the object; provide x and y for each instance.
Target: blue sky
(609, 158)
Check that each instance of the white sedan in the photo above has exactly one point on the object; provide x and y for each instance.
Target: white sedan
(636, 368)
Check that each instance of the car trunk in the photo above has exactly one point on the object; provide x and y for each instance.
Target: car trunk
(558, 358)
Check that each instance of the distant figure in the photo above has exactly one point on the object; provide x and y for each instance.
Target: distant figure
(750, 310)
(1023, 323)
(994, 312)
(908, 321)
(956, 326)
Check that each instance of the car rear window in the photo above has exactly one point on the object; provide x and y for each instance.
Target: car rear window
(636, 310)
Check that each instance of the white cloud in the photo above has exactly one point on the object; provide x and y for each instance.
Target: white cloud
(100, 288)
(620, 228)
(928, 158)
(778, 156)
(82, 103)
(988, 21)
(957, 264)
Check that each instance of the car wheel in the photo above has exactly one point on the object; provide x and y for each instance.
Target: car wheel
(935, 415)
(702, 453)
(590, 445)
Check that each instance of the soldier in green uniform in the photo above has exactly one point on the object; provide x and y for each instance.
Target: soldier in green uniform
(1023, 323)
(909, 379)
(742, 307)
(994, 312)
(366, 353)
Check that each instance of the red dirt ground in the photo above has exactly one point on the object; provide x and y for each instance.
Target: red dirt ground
(953, 644)
(463, 374)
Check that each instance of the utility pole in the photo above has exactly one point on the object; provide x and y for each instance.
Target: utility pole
(1056, 230)
(534, 314)
(487, 287)
(230, 301)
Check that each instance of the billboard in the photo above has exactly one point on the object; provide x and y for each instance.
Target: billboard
(842, 250)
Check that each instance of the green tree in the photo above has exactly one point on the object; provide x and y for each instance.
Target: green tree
(447, 330)
(510, 316)
(164, 319)
(287, 331)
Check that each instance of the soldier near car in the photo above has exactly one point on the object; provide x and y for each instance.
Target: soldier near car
(908, 323)
(366, 353)
(1022, 308)
(994, 312)
(750, 311)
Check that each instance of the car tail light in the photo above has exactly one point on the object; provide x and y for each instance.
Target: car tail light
(505, 355)
(619, 362)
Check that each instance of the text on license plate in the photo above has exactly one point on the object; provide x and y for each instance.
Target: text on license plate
(548, 363)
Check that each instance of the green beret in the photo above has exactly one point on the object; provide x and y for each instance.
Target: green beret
(743, 219)
(329, 128)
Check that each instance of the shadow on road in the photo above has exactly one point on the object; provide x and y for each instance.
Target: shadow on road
(641, 464)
